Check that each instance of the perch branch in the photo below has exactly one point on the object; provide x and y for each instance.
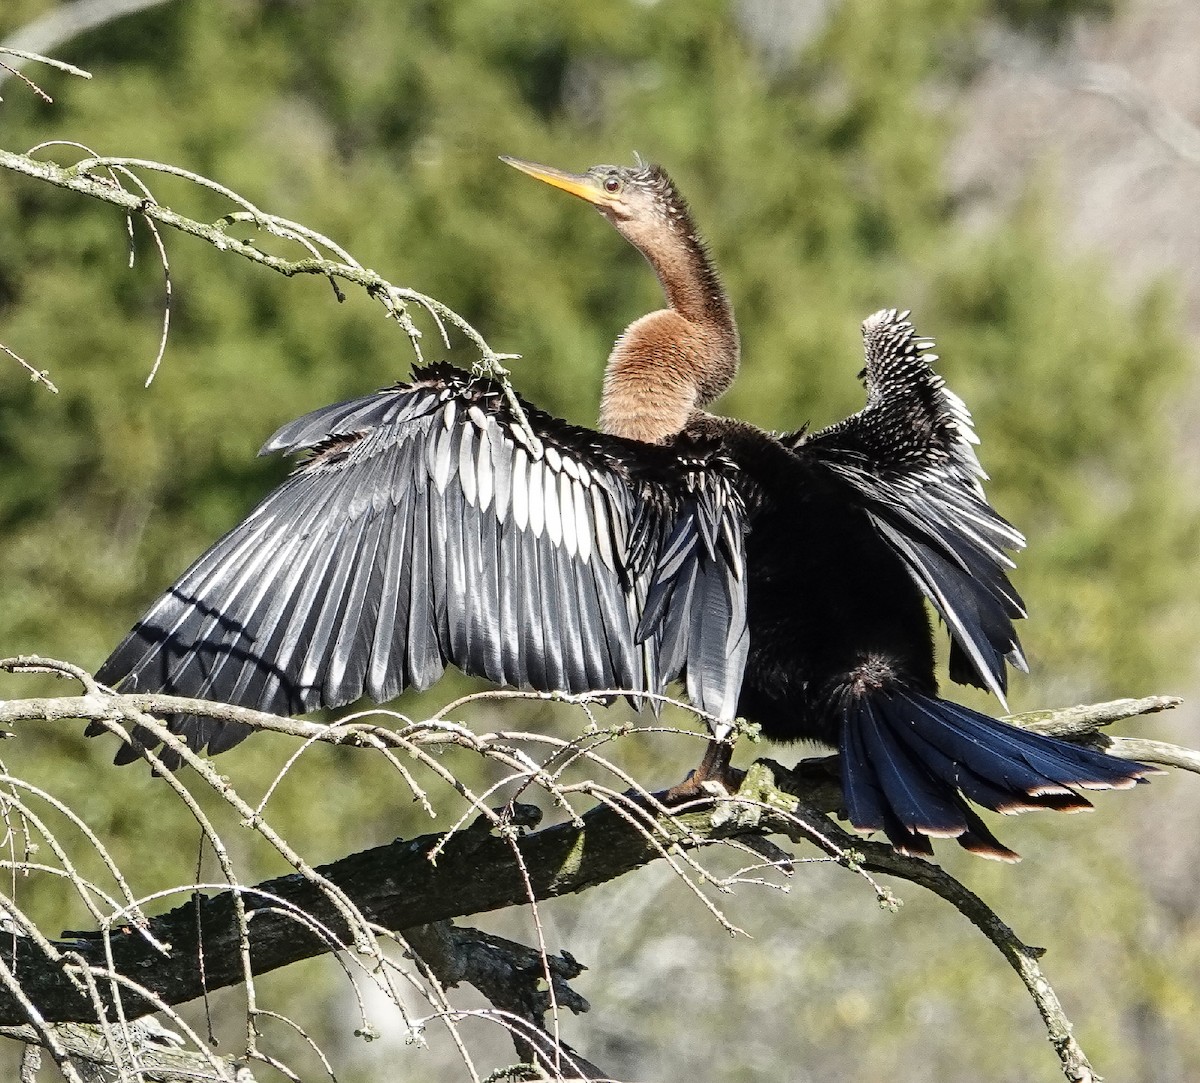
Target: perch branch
(879, 857)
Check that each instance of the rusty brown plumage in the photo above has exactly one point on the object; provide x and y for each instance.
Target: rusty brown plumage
(670, 363)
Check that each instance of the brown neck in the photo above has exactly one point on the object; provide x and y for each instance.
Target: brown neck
(662, 369)
(689, 279)
(671, 362)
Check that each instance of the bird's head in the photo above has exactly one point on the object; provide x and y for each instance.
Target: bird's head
(639, 200)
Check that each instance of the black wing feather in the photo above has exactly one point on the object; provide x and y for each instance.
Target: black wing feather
(908, 458)
(424, 529)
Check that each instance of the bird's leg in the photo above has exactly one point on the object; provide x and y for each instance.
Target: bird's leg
(713, 769)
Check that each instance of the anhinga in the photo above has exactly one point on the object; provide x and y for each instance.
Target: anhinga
(785, 578)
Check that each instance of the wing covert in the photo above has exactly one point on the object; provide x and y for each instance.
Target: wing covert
(426, 528)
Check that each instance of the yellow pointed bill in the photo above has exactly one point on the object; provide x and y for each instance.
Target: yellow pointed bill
(578, 184)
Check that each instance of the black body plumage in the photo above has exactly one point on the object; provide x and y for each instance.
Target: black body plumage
(852, 531)
(785, 579)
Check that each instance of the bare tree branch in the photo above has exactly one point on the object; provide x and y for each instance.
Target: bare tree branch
(880, 857)
(510, 976)
(60, 25)
(15, 59)
(228, 934)
(395, 299)
(40, 376)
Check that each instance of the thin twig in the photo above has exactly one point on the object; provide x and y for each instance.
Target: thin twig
(761, 808)
(79, 178)
(39, 376)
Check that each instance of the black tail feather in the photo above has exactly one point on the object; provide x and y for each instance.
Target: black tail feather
(978, 839)
(911, 762)
(983, 778)
(865, 802)
(910, 789)
(1063, 763)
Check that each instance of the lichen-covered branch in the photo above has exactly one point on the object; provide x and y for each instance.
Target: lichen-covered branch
(394, 886)
(879, 857)
(98, 178)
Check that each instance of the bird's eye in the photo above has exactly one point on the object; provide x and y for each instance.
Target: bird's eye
(612, 184)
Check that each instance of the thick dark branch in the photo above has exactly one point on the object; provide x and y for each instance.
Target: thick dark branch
(394, 886)
(512, 978)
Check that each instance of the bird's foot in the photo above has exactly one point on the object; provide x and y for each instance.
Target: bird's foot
(713, 778)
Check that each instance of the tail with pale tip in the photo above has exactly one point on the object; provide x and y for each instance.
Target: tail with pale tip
(911, 763)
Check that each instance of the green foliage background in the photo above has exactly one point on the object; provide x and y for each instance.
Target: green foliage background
(816, 175)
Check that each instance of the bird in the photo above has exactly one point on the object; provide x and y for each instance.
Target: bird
(786, 579)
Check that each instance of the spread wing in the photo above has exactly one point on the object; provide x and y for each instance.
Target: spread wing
(427, 527)
(909, 456)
